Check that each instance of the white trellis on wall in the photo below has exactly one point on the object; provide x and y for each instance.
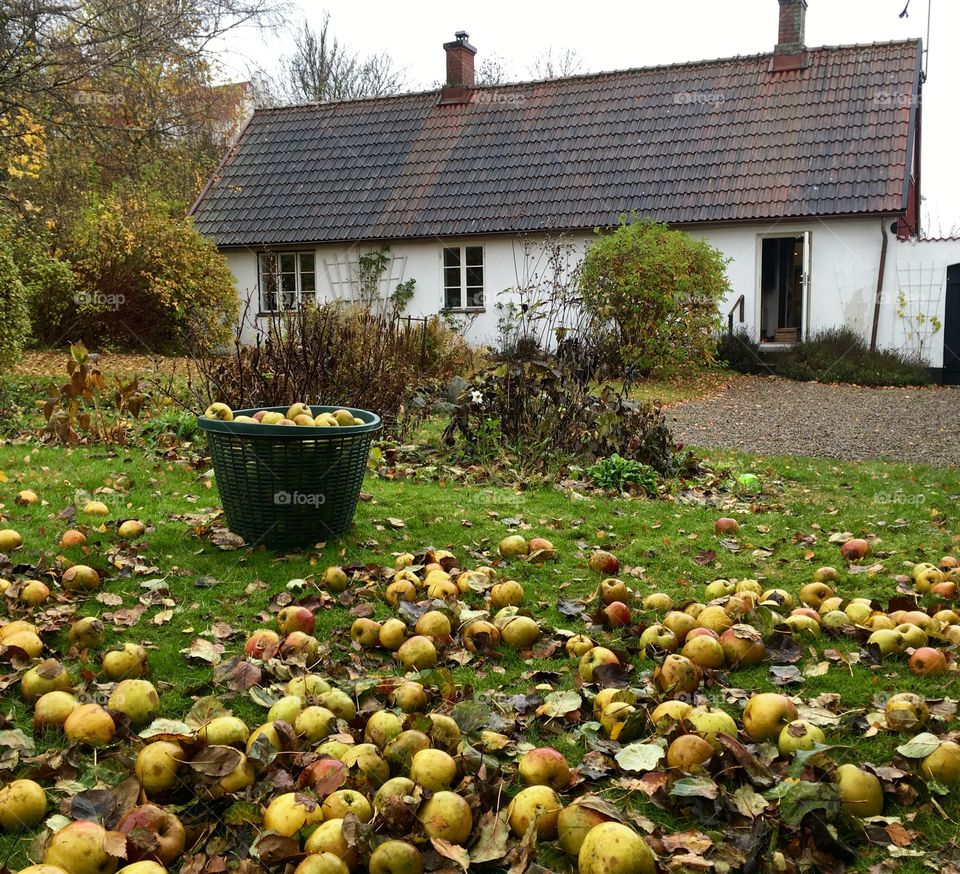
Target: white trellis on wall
(343, 278)
(917, 303)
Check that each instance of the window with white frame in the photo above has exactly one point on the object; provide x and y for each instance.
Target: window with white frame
(463, 277)
(288, 280)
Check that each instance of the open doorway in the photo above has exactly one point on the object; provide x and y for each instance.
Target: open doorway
(783, 282)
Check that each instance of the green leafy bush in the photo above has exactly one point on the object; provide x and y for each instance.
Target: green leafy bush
(147, 279)
(15, 321)
(659, 289)
(842, 355)
(740, 352)
(619, 473)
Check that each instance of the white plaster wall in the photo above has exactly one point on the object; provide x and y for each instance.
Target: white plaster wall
(507, 264)
(918, 268)
(844, 267)
(844, 259)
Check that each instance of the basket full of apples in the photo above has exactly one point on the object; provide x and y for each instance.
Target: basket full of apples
(289, 476)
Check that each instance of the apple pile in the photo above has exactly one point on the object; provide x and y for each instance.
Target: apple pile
(370, 755)
(297, 414)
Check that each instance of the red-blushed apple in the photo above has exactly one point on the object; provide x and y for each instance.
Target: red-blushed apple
(928, 662)
(295, 617)
(725, 526)
(604, 562)
(743, 645)
(617, 614)
(544, 766)
(541, 549)
(855, 549)
(153, 833)
(262, 644)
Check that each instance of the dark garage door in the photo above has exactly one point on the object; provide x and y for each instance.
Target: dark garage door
(951, 328)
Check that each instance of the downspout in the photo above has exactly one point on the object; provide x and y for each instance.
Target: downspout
(880, 272)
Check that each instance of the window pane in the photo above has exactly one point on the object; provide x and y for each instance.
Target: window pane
(451, 277)
(451, 257)
(474, 276)
(288, 262)
(452, 299)
(306, 262)
(268, 302)
(474, 297)
(308, 282)
(288, 281)
(289, 300)
(474, 255)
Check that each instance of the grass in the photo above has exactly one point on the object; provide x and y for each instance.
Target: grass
(669, 545)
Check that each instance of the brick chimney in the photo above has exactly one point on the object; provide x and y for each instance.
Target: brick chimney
(460, 74)
(790, 52)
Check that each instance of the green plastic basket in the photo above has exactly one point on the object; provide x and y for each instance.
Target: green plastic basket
(286, 486)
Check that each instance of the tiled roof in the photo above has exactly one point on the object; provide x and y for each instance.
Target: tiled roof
(713, 141)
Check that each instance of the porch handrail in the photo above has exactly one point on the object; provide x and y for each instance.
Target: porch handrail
(740, 302)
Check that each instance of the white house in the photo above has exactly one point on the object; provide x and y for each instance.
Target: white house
(801, 165)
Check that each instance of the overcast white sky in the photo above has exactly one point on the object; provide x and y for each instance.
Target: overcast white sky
(611, 36)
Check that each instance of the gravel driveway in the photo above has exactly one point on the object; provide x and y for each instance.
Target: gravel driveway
(772, 416)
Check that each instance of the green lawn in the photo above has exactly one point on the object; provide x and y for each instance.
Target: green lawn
(666, 546)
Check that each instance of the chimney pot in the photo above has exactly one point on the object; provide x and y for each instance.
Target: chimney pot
(460, 70)
(790, 53)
